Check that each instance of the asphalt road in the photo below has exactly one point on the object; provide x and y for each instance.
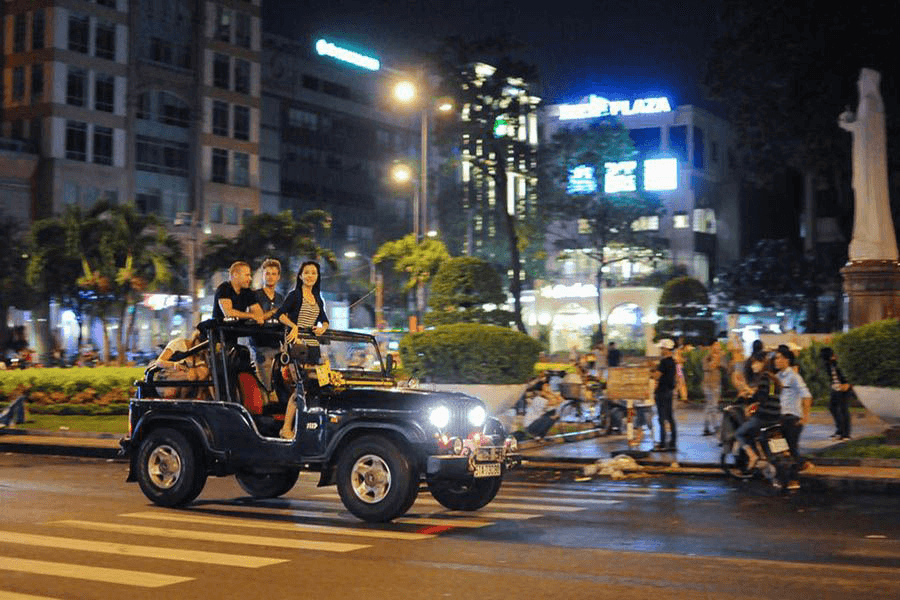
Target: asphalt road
(73, 529)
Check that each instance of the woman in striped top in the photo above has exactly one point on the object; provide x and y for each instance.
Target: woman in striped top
(303, 307)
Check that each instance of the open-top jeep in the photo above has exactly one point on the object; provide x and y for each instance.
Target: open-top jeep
(354, 426)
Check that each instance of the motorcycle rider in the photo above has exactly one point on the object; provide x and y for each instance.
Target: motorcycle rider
(765, 408)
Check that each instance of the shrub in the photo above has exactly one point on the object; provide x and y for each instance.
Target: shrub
(869, 355)
(78, 390)
(470, 353)
(684, 312)
(461, 288)
(812, 370)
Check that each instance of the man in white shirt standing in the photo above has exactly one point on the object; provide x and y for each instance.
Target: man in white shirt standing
(795, 404)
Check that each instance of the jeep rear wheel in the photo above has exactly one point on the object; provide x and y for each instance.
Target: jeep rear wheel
(375, 480)
(268, 485)
(168, 468)
(465, 495)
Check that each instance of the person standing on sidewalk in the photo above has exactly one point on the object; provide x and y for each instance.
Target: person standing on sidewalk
(840, 394)
(795, 404)
(664, 374)
(712, 387)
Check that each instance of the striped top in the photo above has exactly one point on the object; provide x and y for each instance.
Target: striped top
(309, 313)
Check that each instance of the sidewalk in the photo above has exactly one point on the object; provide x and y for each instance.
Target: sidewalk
(699, 455)
(696, 455)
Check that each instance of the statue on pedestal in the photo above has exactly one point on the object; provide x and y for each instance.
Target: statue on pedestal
(873, 229)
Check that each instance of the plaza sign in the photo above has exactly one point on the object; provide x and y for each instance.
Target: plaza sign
(326, 48)
(601, 107)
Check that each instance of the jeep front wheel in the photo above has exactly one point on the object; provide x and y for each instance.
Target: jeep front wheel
(169, 471)
(268, 485)
(465, 495)
(374, 479)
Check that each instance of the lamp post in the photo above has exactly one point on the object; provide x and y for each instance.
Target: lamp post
(375, 279)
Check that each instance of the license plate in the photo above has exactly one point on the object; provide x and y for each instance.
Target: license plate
(777, 445)
(487, 469)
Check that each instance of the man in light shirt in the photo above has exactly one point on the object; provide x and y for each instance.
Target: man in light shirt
(795, 404)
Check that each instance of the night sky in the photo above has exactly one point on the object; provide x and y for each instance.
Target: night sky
(632, 48)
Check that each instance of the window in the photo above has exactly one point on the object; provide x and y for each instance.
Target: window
(37, 83)
(241, 76)
(241, 174)
(302, 118)
(220, 166)
(144, 109)
(76, 140)
(103, 145)
(35, 132)
(215, 212)
(104, 93)
(174, 111)
(246, 214)
(241, 123)
(107, 3)
(680, 221)
(699, 148)
(242, 30)
(19, 30)
(311, 83)
(220, 118)
(78, 33)
(18, 83)
(76, 80)
(705, 220)
(148, 202)
(646, 223)
(223, 24)
(678, 142)
(231, 214)
(221, 75)
(162, 156)
(105, 41)
(37, 30)
(17, 130)
(70, 193)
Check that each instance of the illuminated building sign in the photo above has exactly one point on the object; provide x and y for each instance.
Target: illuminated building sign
(601, 107)
(581, 181)
(326, 48)
(660, 174)
(620, 177)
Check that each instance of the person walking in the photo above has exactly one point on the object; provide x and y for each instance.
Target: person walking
(840, 394)
(712, 387)
(664, 374)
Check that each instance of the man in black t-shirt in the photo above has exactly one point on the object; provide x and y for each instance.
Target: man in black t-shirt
(265, 348)
(613, 355)
(664, 373)
(234, 298)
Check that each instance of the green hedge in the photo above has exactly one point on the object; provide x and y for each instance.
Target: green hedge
(470, 353)
(870, 355)
(77, 390)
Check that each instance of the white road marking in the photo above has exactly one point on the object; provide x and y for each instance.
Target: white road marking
(215, 558)
(280, 526)
(213, 536)
(89, 573)
(505, 505)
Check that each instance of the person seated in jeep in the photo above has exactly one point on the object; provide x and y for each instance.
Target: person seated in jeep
(175, 366)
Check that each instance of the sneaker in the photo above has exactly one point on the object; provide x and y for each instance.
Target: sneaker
(659, 448)
(793, 485)
(707, 432)
(835, 436)
(845, 438)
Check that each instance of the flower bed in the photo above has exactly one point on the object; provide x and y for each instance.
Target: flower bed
(73, 391)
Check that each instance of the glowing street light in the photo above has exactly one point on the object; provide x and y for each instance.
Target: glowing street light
(405, 91)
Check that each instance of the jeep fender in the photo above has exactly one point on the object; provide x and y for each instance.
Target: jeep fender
(191, 426)
(411, 433)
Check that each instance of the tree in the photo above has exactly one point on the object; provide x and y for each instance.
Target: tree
(611, 235)
(124, 254)
(684, 312)
(479, 76)
(774, 275)
(460, 290)
(417, 262)
(14, 291)
(264, 236)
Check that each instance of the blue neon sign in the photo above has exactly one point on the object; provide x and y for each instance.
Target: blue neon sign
(326, 48)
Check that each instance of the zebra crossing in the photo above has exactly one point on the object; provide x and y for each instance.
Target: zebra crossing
(255, 535)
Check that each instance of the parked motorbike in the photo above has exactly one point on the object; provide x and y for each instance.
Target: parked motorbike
(775, 461)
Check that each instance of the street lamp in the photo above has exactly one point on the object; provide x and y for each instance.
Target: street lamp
(375, 279)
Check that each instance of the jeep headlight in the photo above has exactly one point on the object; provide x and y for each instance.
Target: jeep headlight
(440, 416)
(477, 416)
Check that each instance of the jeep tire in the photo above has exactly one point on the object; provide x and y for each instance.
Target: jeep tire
(267, 485)
(375, 480)
(465, 495)
(169, 470)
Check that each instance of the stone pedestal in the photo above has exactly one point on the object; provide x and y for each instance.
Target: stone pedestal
(872, 288)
